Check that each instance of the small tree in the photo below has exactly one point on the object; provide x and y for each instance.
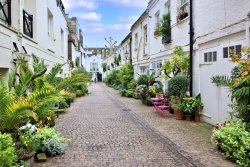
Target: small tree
(179, 64)
(104, 67)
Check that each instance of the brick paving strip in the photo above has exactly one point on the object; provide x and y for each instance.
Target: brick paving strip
(191, 139)
(105, 131)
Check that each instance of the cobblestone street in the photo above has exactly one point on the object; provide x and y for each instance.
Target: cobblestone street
(104, 132)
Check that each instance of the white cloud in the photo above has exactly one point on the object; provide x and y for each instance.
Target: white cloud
(130, 19)
(86, 4)
(94, 28)
(130, 3)
(89, 16)
(119, 27)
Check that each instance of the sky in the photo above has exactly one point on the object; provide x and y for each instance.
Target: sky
(100, 19)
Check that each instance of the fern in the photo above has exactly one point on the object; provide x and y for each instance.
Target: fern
(51, 76)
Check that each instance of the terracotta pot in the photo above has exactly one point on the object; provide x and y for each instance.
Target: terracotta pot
(188, 117)
(197, 118)
(178, 114)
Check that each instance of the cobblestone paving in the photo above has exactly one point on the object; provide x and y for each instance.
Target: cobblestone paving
(104, 132)
(192, 138)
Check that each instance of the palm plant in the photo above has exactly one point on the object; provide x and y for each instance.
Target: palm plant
(14, 112)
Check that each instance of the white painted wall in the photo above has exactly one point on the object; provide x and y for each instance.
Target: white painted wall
(226, 26)
(37, 45)
(139, 59)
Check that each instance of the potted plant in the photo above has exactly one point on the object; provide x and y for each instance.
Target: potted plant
(177, 88)
(176, 105)
(188, 106)
(198, 109)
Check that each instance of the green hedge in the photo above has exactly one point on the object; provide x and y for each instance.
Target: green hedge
(233, 139)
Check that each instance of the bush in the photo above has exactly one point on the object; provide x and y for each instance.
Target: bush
(45, 140)
(132, 84)
(142, 80)
(130, 93)
(7, 151)
(112, 78)
(125, 75)
(233, 140)
(178, 86)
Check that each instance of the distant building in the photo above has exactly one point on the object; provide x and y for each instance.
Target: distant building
(92, 62)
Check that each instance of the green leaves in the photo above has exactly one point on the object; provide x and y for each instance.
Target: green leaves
(222, 80)
(7, 151)
(178, 64)
(234, 141)
(178, 86)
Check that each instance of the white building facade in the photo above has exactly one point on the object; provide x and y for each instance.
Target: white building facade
(140, 45)
(33, 27)
(215, 33)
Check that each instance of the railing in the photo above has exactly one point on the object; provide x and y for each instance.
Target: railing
(166, 39)
(5, 11)
(27, 24)
(60, 4)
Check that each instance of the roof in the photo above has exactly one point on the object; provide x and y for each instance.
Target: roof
(145, 13)
(126, 38)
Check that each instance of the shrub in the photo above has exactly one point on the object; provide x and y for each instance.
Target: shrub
(126, 74)
(7, 151)
(112, 78)
(142, 80)
(130, 93)
(45, 139)
(233, 140)
(178, 86)
(132, 84)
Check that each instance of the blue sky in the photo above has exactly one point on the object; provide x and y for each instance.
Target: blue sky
(104, 18)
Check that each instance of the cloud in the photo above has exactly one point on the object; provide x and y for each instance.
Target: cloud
(130, 3)
(86, 4)
(89, 16)
(130, 19)
(94, 28)
(119, 27)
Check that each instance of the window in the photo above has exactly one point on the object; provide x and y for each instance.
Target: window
(210, 56)
(183, 11)
(27, 24)
(145, 37)
(145, 31)
(62, 41)
(167, 5)
(228, 50)
(156, 65)
(50, 24)
(157, 16)
(94, 67)
(5, 11)
(136, 41)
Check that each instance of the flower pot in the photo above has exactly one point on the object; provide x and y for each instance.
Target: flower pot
(178, 114)
(197, 118)
(188, 117)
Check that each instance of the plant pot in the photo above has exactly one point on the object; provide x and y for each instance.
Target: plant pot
(188, 117)
(197, 118)
(178, 114)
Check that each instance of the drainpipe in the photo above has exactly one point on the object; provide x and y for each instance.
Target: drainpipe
(191, 35)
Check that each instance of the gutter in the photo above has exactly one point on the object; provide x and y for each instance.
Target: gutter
(191, 35)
